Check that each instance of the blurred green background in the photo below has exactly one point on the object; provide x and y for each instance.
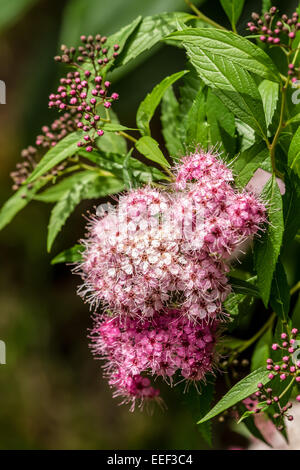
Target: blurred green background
(52, 392)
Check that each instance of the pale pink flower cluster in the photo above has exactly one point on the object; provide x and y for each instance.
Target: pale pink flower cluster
(157, 251)
(160, 249)
(161, 346)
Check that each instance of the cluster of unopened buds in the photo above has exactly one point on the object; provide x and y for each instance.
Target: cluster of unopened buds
(288, 368)
(277, 30)
(78, 97)
(157, 264)
(85, 89)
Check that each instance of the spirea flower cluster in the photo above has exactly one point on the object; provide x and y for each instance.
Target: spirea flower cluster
(157, 263)
(162, 346)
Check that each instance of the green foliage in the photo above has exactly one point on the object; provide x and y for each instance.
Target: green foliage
(64, 149)
(71, 255)
(267, 248)
(147, 107)
(229, 97)
(88, 186)
(233, 9)
(150, 148)
(294, 153)
(238, 392)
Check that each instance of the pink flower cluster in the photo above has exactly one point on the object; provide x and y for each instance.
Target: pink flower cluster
(158, 262)
(161, 346)
(157, 249)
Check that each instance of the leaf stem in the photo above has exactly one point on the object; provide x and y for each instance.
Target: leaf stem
(127, 136)
(272, 146)
(203, 17)
(287, 388)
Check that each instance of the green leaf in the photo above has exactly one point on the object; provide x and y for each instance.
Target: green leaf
(147, 107)
(257, 156)
(261, 351)
(196, 124)
(294, 153)
(63, 209)
(253, 429)
(291, 207)
(62, 150)
(150, 31)
(243, 389)
(205, 401)
(269, 92)
(280, 293)
(89, 188)
(116, 127)
(266, 5)
(55, 192)
(210, 44)
(114, 163)
(121, 38)
(71, 255)
(150, 149)
(243, 287)
(110, 142)
(232, 84)
(221, 124)
(170, 124)
(293, 119)
(267, 248)
(18, 201)
(233, 9)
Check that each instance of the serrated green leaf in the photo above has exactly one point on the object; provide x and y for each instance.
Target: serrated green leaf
(114, 163)
(149, 32)
(94, 187)
(150, 149)
(233, 9)
(243, 389)
(231, 48)
(269, 92)
(280, 293)
(170, 122)
(71, 255)
(62, 210)
(267, 248)
(148, 106)
(62, 150)
(18, 201)
(294, 153)
(232, 84)
(221, 124)
(55, 192)
(196, 123)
